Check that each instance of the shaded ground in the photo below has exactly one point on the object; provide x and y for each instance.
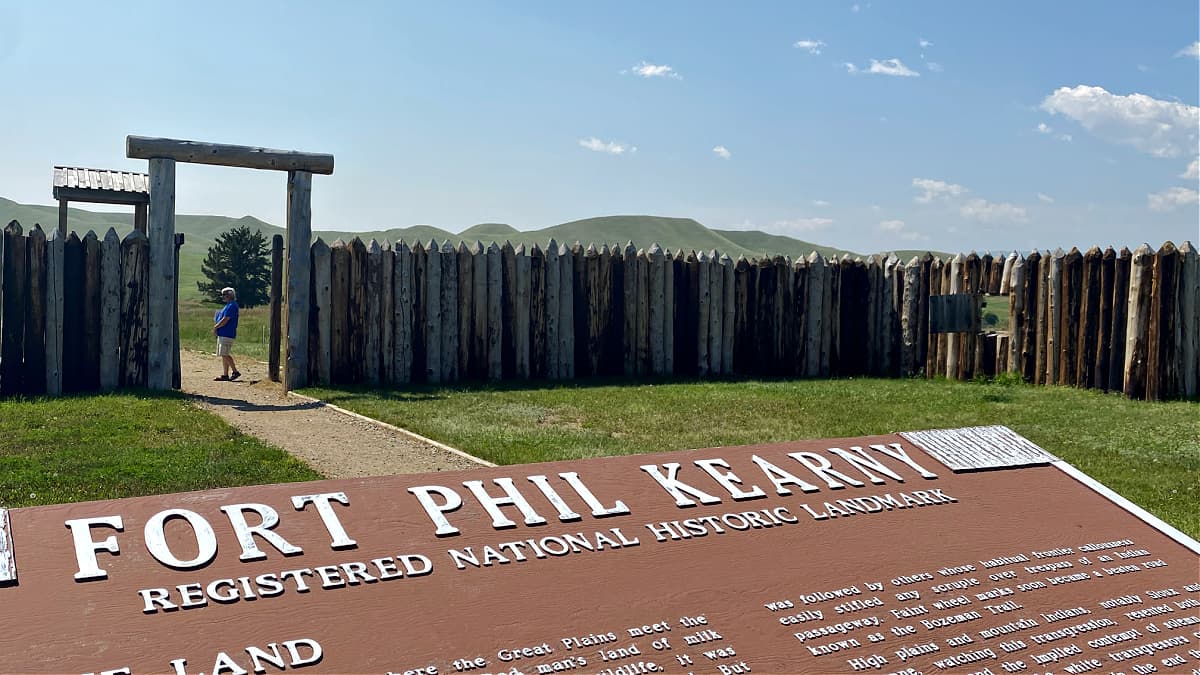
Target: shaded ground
(335, 444)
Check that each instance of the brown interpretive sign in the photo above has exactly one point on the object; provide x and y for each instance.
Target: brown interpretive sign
(963, 550)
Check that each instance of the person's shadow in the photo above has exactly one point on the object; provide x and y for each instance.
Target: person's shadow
(243, 405)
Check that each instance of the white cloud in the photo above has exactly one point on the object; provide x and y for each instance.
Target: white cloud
(1192, 50)
(811, 46)
(1045, 199)
(821, 202)
(935, 189)
(802, 224)
(933, 66)
(925, 44)
(891, 225)
(893, 67)
(1193, 170)
(1042, 128)
(854, 8)
(1153, 126)
(1172, 198)
(653, 70)
(991, 212)
(722, 152)
(611, 147)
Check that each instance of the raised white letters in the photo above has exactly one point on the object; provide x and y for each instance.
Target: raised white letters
(86, 547)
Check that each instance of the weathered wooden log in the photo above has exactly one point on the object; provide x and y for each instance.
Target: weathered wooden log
(1002, 351)
(91, 291)
(953, 348)
(716, 314)
(1054, 315)
(1017, 315)
(162, 283)
(339, 333)
(508, 300)
(403, 317)
(1040, 328)
(1188, 320)
(420, 262)
(449, 301)
(135, 267)
(1162, 364)
(373, 312)
(1006, 274)
(521, 315)
(815, 348)
(320, 314)
(1089, 319)
(495, 314)
(537, 312)
(611, 309)
(72, 341)
(641, 328)
(1137, 327)
(1072, 294)
(668, 339)
(933, 340)
(222, 154)
(465, 263)
(12, 314)
(629, 308)
(687, 301)
(566, 313)
(34, 377)
(799, 279)
(275, 304)
(553, 311)
(110, 311)
(387, 315)
(782, 302)
(872, 282)
(478, 367)
(703, 306)
(1103, 356)
(656, 307)
(55, 279)
(893, 291)
(923, 311)
(1120, 317)
(1033, 295)
(580, 359)
(433, 312)
(909, 317)
(728, 314)
(743, 349)
(853, 331)
(356, 336)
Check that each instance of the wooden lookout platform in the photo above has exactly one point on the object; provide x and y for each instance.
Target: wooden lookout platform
(101, 186)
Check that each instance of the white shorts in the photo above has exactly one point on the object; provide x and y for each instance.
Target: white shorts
(224, 346)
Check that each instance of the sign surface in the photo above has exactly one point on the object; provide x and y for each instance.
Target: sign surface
(954, 551)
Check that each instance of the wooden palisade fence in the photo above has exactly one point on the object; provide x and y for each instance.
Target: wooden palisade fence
(73, 312)
(439, 313)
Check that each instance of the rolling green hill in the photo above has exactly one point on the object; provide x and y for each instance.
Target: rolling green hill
(670, 233)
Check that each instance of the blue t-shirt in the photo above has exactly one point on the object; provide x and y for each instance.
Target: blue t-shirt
(229, 330)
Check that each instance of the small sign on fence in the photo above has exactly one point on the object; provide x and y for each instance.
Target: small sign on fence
(961, 550)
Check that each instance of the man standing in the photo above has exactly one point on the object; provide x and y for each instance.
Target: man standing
(225, 327)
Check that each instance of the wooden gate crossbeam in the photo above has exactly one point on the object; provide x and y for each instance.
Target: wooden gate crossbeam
(162, 154)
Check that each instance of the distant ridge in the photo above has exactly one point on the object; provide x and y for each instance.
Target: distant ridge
(670, 233)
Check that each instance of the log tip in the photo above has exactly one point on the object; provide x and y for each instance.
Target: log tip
(112, 234)
(477, 247)
(447, 247)
(1185, 248)
(373, 247)
(1167, 248)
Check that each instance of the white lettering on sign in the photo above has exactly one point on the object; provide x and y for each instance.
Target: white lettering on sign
(86, 547)
(337, 534)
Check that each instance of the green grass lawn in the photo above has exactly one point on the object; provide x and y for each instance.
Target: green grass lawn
(129, 444)
(1148, 452)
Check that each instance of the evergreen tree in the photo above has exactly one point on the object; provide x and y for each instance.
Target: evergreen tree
(239, 259)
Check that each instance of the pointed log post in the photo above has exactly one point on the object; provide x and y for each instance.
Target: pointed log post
(373, 311)
(34, 379)
(12, 310)
(656, 310)
(1137, 326)
(162, 273)
(932, 341)
(403, 317)
(716, 314)
(537, 312)
(1006, 274)
(743, 320)
(433, 312)
(449, 300)
(479, 311)
(669, 313)
(55, 313)
(566, 313)
(1089, 319)
(1033, 308)
(815, 321)
(923, 312)
(297, 252)
(553, 311)
(1072, 293)
(508, 286)
(320, 311)
(1017, 315)
(909, 317)
(276, 307)
(495, 282)
(1189, 319)
(1054, 316)
(466, 304)
(953, 339)
(339, 313)
(420, 262)
(1162, 364)
(356, 335)
(629, 276)
(1120, 318)
(521, 313)
(135, 266)
(110, 311)
(704, 290)
(728, 315)
(1103, 356)
(596, 317)
(89, 365)
(387, 312)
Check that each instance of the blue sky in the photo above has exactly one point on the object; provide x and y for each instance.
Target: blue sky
(950, 125)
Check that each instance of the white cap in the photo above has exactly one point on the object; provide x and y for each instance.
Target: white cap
(229, 290)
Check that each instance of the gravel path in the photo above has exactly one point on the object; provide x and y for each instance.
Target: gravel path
(337, 445)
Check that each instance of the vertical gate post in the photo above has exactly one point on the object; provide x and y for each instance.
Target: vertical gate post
(298, 254)
(162, 284)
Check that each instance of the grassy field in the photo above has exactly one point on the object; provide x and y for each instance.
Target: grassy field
(81, 448)
(1149, 452)
(195, 329)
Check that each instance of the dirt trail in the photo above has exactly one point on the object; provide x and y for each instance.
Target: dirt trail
(337, 445)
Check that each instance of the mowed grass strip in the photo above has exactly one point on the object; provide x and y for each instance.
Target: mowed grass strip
(1148, 452)
(123, 445)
